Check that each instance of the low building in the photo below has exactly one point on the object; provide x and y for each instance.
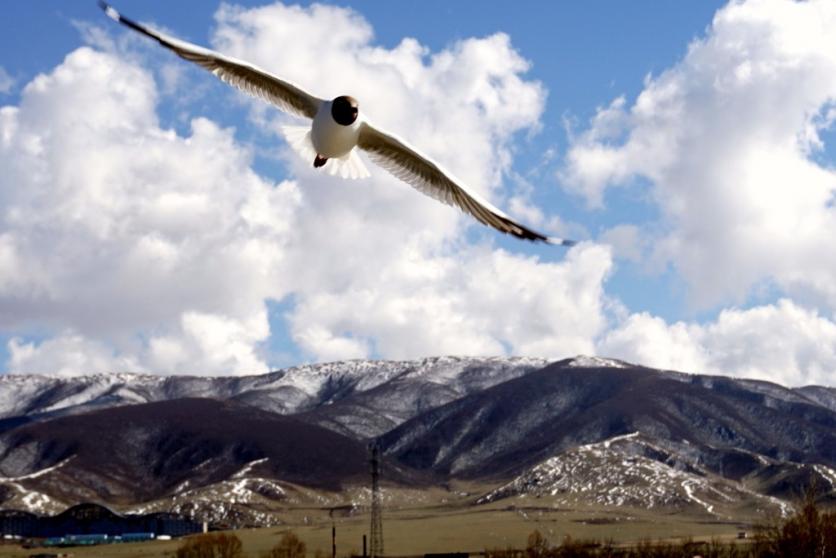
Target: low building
(93, 519)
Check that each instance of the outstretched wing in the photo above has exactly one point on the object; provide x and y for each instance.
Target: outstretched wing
(406, 163)
(237, 73)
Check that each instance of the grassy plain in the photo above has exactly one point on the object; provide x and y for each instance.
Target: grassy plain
(415, 531)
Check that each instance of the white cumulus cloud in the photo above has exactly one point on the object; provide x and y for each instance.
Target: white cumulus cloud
(729, 137)
(66, 355)
(476, 301)
(780, 342)
(129, 236)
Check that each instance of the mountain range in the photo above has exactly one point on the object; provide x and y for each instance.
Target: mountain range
(585, 431)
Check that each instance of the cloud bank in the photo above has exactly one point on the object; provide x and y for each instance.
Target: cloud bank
(116, 233)
(729, 139)
(781, 342)
(125, 245)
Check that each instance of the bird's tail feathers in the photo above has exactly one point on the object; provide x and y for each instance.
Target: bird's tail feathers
(347, 166)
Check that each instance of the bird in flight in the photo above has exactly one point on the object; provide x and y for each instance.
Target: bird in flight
(338, 129)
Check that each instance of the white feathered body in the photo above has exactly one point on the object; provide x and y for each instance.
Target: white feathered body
(330, 139)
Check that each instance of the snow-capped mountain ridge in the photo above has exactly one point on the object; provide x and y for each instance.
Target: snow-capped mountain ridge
(292, 389)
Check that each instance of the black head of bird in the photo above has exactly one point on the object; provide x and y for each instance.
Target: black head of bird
(344, 110)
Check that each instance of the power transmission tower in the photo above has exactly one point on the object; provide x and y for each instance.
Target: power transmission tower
(376, 550)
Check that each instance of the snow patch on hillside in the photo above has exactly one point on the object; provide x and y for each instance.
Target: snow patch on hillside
(616, 473)
(584, 361)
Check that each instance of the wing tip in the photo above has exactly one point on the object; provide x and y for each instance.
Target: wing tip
(534, 236)
(561, 241)
(109, 10)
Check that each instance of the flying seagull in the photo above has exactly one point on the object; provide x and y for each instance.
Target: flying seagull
(337, 129)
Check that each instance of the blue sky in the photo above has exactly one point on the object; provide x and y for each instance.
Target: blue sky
(631, 143)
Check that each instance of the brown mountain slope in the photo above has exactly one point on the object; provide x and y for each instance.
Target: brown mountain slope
(142, 452)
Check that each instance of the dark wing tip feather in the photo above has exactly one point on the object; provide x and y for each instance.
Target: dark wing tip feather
(114, 14)
(526, 234)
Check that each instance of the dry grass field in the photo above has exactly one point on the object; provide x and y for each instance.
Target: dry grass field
(415, 531)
